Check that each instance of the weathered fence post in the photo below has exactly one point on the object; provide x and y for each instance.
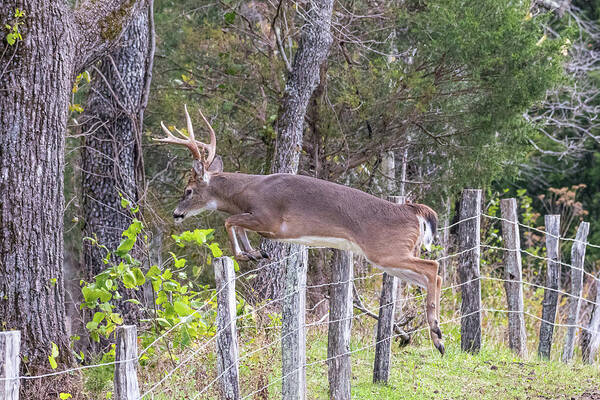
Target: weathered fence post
(385, 322)
(574, 302)
(293, 335)
(10, 344)
(226, 341)
(340, 323)
(590, 338)
(550, 304)
(126, 382)
(517, 337)
(468, 270)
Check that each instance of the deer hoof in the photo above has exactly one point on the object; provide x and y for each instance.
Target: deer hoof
(437, 331)
(242, 257)
(441, 348)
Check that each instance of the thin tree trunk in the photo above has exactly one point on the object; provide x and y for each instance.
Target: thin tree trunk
(111, 157)
(312, 52)
(36, 78)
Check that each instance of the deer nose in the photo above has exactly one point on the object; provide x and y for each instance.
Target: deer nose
(177, 216)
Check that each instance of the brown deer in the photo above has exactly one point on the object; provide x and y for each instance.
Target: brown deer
(312, 212)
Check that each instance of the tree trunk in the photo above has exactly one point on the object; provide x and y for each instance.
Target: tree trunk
(313, 48)
(36, 78)
(111, 157)
(34, 102)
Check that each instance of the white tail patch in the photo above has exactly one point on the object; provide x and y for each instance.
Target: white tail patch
(426, 233)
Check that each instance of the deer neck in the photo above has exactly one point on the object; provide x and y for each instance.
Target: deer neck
(225, 189)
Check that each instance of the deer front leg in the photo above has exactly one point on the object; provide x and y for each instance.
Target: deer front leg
(236, 226)
(247, 247)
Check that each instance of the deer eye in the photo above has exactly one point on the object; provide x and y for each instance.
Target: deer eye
(188, 192)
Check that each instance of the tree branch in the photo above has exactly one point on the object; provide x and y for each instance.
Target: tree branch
(99, 26)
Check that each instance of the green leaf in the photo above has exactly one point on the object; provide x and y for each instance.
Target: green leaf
(106, 307)
(54, 352)
(170, 286)
(179, 263)
(11, 38)
(129, 279)
(216, 250)
(64, 396)
(125, 246)
(182, 309)
(104, 295)
(116, 318)
(98, 317)
(139, 276)
(185, 337)
(153, 271)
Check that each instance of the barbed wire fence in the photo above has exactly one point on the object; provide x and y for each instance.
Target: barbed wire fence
(224, 383)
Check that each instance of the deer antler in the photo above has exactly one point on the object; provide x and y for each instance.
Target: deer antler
(190, 141)
(212, 147)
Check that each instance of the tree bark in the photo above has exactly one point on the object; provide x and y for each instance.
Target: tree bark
(111, 157)
(36, 78)
(313, 49)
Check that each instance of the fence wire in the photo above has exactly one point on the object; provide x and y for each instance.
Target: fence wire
(255, 310)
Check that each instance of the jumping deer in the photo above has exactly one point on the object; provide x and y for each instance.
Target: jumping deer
(312, 212)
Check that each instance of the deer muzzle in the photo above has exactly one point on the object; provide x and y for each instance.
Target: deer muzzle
(178, 216)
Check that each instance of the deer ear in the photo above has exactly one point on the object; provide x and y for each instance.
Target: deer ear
(216, 165)
(198, 168)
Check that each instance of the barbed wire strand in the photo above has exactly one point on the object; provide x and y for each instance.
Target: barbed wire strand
(235, 278)
(354, 316)
(187, 318)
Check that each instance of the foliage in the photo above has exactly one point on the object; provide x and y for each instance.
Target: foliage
(13, 34)
(177, 299)
(456, 97)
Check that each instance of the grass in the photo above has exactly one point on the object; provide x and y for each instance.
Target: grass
(418, 371)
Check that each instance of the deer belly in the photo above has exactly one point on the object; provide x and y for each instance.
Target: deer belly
(320, 241)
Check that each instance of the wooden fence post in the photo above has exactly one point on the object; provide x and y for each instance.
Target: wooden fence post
(293, 335)
(10, 344)
(126, 382)
(517, 337)
(226, 341)
(385, 321)
(550, 303)
(468, 270)
(590, 339)
(340, 323)
(574, 303)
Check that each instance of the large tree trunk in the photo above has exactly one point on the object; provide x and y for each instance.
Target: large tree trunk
(33, 111)
(111, 157)
(312, 52)
(36, 78)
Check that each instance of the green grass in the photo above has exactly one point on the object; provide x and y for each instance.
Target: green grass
(418, 371)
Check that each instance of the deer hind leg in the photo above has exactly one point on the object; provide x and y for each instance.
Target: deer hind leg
(439, 295)
(236, 226)
(424, 274)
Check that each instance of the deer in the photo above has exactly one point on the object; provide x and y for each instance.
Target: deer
(312, 212)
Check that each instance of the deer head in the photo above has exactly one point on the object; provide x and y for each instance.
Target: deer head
(197, 195)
